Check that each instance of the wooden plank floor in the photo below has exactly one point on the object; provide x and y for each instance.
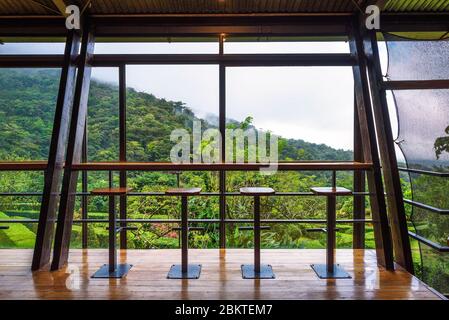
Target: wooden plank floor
(220, 277)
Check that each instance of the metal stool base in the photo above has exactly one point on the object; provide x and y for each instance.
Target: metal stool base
(321, 272)
(119, 272)
(193, 272)
(266, 272)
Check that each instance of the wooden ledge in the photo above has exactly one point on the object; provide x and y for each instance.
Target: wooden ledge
(23, 165)
(168, 166)
(110, 191)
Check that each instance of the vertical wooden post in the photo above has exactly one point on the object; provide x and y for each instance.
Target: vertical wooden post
(382, 233)
(222, 127)
(396, 210)
(74, 148)
(358, 232)
(50, 197)
(84, 187)
(122, 138)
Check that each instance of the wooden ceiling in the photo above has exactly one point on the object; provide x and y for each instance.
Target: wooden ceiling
(203, 7)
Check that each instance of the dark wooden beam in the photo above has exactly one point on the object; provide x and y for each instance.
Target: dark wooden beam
(75, 142)
(141, 26)
(328, 59)
(23, 165)
(229, 166)
(32, 27)
(379, 3)
(415, 85)
(61, 5)
(32, 61)
(382, 233)
(136, 26)
(122, 150)
(222, 128)
(50, 196)
(396, 210)
(410, 22)
(358, 185)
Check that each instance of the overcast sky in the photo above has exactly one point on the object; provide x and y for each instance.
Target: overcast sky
(310, 103)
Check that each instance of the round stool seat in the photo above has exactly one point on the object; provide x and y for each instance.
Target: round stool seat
(331, 191)
(256, 191)
(183, 191)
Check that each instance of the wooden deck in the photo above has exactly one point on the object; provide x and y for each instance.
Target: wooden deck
(220, 277)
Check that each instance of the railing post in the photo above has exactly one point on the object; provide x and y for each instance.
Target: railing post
(358, 229)
(122, 155)
(84, 187)
(222, 127)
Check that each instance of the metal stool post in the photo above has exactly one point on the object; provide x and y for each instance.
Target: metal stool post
(330, 270)
(112, 235)
(257, 234)
(184, 235)
(113, 269)
(331, 235)
(185, 270)
(257, 270)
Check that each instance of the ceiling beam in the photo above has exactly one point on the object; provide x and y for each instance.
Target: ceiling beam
(61, 5)
(380, 3)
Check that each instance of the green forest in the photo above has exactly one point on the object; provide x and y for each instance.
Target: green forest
(27, 105)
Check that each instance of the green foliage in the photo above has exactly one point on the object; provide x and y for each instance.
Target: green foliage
(27, 105)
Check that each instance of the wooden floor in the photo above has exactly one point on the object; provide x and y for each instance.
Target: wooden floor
(220, 277)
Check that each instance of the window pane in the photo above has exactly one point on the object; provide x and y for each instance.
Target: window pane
(159, 46)
(23, 48)
(27, 107)
(103, 115)
(278, 45)
(311, 109)
(163, 98)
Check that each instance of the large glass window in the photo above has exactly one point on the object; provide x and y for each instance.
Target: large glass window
(160, 100)
(27, 48)
(103, 115)
(311, 111)
(282, 45)
(27, 106)
(159, 46)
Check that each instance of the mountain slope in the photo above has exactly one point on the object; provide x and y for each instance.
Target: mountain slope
(27, 103)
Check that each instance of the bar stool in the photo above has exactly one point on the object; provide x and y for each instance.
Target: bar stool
(256, 270)
(330, 270)
(185, 270)
(113, 270)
